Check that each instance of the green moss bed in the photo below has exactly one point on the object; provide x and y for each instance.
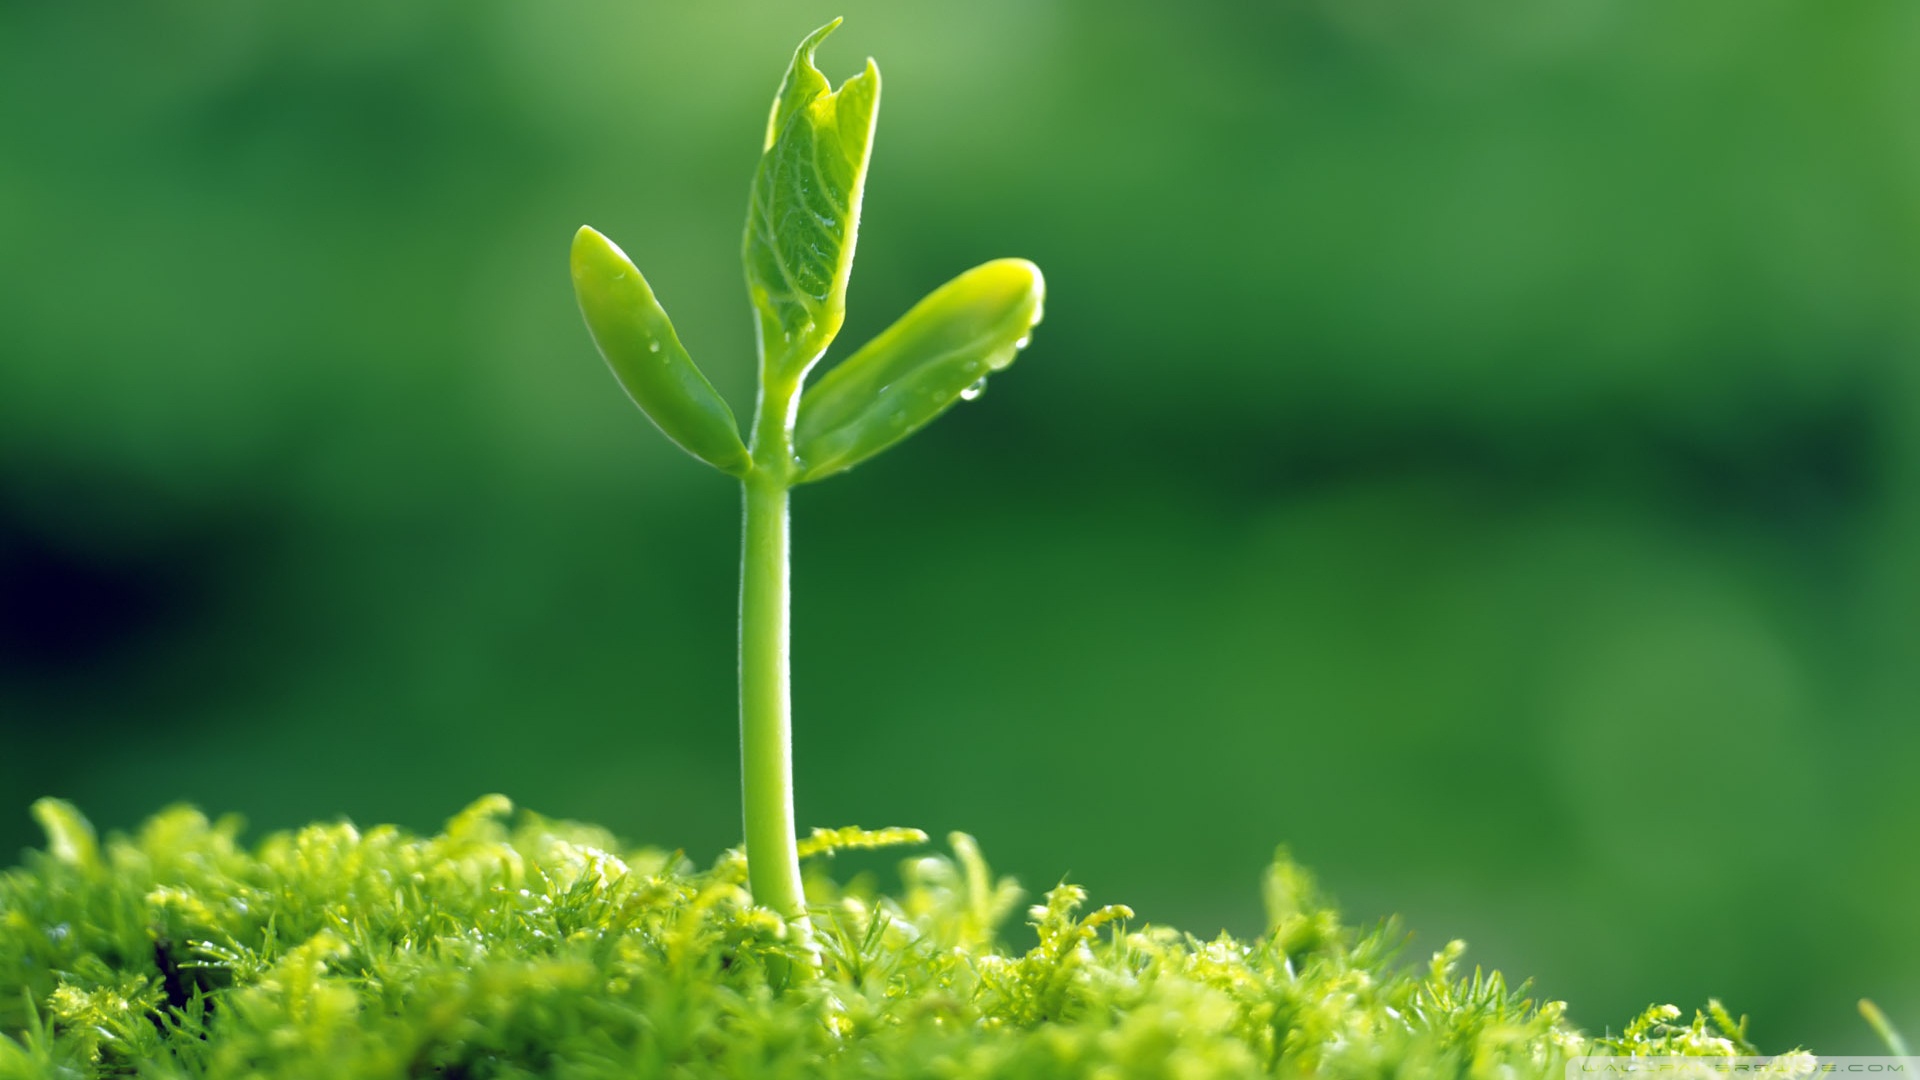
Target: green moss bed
(513, 945)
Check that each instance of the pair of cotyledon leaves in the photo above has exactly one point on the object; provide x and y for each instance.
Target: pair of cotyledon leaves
(801, 223)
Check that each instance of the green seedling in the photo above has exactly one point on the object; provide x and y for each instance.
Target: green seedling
(802, 219)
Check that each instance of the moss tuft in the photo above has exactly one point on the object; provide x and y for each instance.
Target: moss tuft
(538, 947)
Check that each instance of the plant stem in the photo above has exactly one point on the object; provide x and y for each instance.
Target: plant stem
(766, 729)
(766, 732)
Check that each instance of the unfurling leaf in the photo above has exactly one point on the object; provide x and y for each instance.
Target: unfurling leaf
(638, 342)
(939, 353)
(805, 209)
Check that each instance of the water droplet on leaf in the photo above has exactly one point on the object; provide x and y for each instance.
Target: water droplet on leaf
(979, 387)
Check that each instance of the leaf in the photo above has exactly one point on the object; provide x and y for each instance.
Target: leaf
(804, 211)
(937, 354)
(638, 342)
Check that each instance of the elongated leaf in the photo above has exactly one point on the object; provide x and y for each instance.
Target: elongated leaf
(938, 353)
(638, 342)
(804, 212)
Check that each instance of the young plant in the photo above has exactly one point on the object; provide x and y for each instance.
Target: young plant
(802, 218)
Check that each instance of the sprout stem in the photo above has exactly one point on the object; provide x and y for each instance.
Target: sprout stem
(766, 709)
(766, 731)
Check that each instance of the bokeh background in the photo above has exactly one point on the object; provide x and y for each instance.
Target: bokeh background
(1477, 445)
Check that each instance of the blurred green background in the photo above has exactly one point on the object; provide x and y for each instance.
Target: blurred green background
(1477, 445)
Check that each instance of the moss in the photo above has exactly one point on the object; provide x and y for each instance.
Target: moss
(519, 946)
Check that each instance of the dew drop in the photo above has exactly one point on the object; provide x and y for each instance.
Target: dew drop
(979, 387)
(1023, 342)
(653, 346)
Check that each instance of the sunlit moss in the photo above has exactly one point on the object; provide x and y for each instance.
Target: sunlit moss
(538, 947)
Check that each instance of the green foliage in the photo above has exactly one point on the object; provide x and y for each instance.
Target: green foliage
(638, 341)
(803, 217)
(939, 353)
(804, 213)
(1556, 359)
(539, 947)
